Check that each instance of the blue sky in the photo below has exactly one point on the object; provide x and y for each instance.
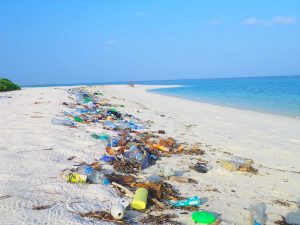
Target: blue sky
(74, 41)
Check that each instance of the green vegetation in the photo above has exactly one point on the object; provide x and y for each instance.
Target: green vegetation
(7, 85)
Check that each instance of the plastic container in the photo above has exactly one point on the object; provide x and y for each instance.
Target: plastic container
(167, 171)
(231, 165)
(102, 137)
(139, 201)
(110, 124)
(113, 142)
(138, 155)
(201, 167)
(204, 217)
(96, 177)
(161, 148)
(194, 201)
(76, 178)
(65, 122)
(87, 100)
(257, 214)
(118, 211)
(85, 169)
(78, 119)
(82, 110)
(108, 159)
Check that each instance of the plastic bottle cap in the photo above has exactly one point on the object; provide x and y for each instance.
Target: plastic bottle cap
(105, 181)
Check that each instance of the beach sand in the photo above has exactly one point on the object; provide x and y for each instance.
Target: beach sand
(34, 153)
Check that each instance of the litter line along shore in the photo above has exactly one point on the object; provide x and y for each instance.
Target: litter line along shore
(217, 189)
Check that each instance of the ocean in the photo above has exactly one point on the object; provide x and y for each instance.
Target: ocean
(276, 95)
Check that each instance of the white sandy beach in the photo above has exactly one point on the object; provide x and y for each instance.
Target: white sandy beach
(34, 152)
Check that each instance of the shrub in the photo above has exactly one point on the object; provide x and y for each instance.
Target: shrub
(7, 85)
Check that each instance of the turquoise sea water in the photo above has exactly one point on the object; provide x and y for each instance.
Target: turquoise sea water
(277, 95)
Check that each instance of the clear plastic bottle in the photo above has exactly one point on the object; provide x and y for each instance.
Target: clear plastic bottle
(139, 156)
(65, 122)
(258, 214)
(96, 177)
(113, 141)
(85, 169)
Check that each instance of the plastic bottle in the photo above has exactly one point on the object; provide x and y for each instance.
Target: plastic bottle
(258, 214)
(110, 124)
(76, 178)
(82, 110)
(102, 137)
(85, 169)
(108, 159)
(78, 119)
(139, 156)
(113, 142)
(96, 177)
(87, 100)
(194, 201)
(65, 122)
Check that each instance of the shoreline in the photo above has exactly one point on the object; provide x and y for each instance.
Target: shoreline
(41, 151)
(153, 87)
(215, 104)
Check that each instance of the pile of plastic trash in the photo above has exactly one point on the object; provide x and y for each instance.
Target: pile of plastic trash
(130, 148)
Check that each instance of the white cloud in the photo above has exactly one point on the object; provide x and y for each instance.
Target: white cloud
(278, 20)
(140, 14)
(282, 20)
(215, 22)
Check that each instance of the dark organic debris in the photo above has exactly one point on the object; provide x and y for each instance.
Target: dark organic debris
(71, 157)
(126, 167)
(195, 150)
(102, 215)
(213, 190)
(161, 131)
(160, 191)
(125, 180)
(282, 203)
(5, 197)
(282, 222)
(248, 169)
(41, 207)
(160, 219)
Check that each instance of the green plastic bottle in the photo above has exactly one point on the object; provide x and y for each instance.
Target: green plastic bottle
(87, 100)
(77, 119)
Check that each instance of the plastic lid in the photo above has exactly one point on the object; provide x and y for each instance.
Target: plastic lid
(204, 217)
(105, 181)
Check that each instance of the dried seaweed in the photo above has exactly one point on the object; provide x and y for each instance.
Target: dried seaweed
(125, 180)
(282, 222)
(126, 167)
(212, 190)
(5, 197)
(194, 150)
(71, 157)
(248, 169)
(102, 215)
(160, 219)
(282, 203)
(160, 191)
(41, 207)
